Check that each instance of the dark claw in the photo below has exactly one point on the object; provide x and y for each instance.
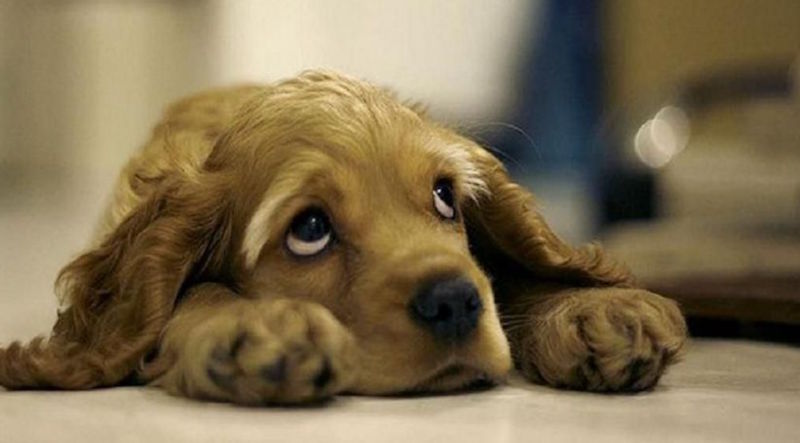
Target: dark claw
(325, 375)
(591, 363)
(275, 372)
(220, 355)
(223, 380)
(580, 377)
(636, 370)
(238, 342)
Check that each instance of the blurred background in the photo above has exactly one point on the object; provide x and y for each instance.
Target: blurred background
(669, 129)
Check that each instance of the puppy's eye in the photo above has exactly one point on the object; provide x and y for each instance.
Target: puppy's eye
(443, 199)
(309, 233)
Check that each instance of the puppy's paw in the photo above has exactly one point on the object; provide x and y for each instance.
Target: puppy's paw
(606, 340)
(278, 352)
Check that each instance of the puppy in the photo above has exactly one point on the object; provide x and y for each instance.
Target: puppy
(286, 243)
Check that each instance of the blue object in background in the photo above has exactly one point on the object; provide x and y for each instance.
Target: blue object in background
(559, 107)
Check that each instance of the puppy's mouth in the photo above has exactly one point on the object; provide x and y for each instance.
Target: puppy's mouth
(453, 377)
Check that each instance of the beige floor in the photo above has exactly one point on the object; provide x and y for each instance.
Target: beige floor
(724, 391)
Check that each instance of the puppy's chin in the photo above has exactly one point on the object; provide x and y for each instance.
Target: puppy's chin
(454, 378)
(454, 371)
(485, 359)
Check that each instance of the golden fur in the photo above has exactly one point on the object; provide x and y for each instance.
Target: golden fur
(189, 285)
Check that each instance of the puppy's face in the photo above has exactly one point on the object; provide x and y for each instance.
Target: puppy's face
(355, 203)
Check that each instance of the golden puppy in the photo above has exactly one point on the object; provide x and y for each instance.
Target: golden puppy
(285, 243)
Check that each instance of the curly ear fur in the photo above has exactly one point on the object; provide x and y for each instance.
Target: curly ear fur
(568, 312)
(508, 234)
(121, 294)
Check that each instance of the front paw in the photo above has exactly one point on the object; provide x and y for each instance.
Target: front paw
(605, 340)
(269, 352)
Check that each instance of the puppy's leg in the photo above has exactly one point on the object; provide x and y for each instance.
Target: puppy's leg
(598, 339)
(223, 347)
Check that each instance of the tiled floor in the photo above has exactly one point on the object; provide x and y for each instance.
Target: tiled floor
(723, 391)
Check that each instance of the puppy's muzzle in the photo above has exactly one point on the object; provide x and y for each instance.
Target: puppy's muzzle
(448, 308)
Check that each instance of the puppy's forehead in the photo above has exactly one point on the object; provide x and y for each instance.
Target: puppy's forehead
(349, 140)
(400, 157)
(360, 128)
(393, 162)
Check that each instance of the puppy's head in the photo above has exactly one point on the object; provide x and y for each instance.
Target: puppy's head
(357, 203)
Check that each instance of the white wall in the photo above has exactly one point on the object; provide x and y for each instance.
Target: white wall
(88, 78)
(458, 56)
(85, 80)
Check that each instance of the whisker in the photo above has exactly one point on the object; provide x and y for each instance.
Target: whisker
(472, 129)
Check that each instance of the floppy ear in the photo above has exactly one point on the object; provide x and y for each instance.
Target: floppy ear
(121, 294)
(508, 235)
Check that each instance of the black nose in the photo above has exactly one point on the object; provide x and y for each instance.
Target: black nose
(448, 308)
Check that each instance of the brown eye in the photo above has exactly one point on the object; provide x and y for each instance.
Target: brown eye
(443, 199)
(309, 233)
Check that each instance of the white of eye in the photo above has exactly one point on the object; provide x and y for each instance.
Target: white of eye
(443, 208)
(301, 247)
